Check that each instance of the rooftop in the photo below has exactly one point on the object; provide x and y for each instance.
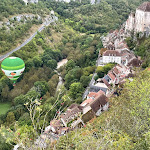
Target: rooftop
(86, 102)
(112, 76)
(101, 100)
(67, 116)
(111, 52)
(92, 94)
(103, 85)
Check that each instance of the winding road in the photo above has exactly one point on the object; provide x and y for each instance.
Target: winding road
(46, 23)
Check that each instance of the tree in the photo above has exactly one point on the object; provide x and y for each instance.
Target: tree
(29, 65)
(84, 80)
(52, 63)
(37, 61)
(70, 65)
(41, 87)
(5, 92)
(73, 76)
(75, 90)
(10, 118)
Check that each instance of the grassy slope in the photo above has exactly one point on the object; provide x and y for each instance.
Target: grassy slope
(4, 108)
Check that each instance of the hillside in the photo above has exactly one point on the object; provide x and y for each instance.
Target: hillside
(18, 22)
(99, 18)
(35, 100)
(124, 126)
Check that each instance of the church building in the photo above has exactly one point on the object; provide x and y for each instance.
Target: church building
(139, 21)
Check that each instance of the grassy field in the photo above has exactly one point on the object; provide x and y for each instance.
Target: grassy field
(4, 107)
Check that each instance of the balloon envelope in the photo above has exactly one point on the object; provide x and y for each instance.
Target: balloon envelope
(13, 67)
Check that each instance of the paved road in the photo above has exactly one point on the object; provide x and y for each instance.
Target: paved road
(46, 23)
(88, 88)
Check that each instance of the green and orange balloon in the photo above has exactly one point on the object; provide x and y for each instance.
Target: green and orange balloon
(13, 67)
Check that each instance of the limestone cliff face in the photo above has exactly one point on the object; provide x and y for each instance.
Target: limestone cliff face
(139, 21)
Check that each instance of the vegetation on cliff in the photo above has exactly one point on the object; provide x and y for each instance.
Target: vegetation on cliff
(124, 126)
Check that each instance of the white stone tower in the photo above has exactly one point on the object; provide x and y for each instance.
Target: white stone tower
(140, 20)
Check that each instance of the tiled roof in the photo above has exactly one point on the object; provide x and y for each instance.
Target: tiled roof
(55, 122)
(100, 100)
(92, 94)
(135, 62)
(105, 81)
(86, 102)
(115, 70)
(112, 76)
(111, 53)
(145, 7)
(67, 116)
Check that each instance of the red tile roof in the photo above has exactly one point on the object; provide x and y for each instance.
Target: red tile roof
(86, 102)
(112, 76)
(92, 94)
(115, 70)
(101, 100)
(105, 82)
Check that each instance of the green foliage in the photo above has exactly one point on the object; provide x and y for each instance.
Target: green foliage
(3, 144)
(75, 90)
(99, 18)
(37, 61)
(10, 118)
(22, 99)
(73, 76)
(101, 71)
(70, 65)
(41, 87)
(143, 50)
(84, 80)
(4, 107)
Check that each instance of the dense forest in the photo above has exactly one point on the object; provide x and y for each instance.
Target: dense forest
(76, 36)
(99, 18)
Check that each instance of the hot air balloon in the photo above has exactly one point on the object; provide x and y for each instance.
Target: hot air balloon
(13, 67)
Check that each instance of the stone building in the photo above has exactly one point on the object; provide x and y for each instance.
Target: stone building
(111, 56)
(140, 20)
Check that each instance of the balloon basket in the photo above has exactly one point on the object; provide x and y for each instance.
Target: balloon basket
(14, 84)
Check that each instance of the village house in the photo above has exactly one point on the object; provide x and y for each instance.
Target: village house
(94, 107)
(93, 95)
(116, 75)
(57, 127)
(100, 86)
(111, 56)
(135, 62)
(71, 115)
(120, 56)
